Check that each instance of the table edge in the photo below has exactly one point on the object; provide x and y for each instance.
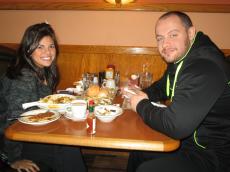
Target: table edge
(100, 142)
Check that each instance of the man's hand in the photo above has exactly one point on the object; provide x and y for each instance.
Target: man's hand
(27, 165)
(135, 99)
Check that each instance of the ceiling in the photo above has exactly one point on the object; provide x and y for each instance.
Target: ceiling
(137, 1)
(209, 6)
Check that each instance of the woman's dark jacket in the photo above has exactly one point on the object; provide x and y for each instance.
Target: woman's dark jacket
(15, 92)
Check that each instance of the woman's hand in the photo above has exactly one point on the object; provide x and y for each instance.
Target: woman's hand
(27, 165)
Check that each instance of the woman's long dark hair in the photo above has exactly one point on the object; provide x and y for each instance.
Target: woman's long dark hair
(28, 45)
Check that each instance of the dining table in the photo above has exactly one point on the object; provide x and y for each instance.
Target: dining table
(127, 132)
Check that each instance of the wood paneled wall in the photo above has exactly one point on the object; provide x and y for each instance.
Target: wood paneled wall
(74, 60)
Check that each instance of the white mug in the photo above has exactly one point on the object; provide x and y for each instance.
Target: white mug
(109, 83)
(77, 109)
(79, 86)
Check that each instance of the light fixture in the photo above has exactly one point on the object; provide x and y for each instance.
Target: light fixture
(119, 1)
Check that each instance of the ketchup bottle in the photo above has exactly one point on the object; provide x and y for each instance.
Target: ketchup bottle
(109, 72)
(91, 119)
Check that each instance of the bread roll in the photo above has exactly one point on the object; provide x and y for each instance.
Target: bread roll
(103, 93)
(93, 90)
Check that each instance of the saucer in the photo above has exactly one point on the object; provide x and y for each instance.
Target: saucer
(70, 116)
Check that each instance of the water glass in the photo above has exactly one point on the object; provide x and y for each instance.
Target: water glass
(146, 80)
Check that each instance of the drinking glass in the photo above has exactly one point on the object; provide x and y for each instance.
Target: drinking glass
(146, 80)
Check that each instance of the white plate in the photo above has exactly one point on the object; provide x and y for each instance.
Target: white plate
(26, 117)
(108, 110)
(69, 116)
(52, 105)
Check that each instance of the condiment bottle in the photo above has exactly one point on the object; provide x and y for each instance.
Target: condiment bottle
(91, 119)
(117, 78)
(95, 80)
(91, 106)
(101, 77)
(109, 72)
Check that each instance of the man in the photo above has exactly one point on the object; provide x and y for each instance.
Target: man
(197, 80)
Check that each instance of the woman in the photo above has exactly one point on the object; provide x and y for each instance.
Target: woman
(33, 76)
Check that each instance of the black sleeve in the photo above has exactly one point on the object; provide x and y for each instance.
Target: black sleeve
(3, 103)
(20, 91)
(3, 108)
(197, 89)
(13, 150)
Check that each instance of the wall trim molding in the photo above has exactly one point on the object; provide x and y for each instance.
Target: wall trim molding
(101, 49)
(163, 7)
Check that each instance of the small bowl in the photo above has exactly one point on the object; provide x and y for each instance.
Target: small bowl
(107, 113)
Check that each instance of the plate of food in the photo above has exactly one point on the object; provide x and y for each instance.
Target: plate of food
(39, 117)
(101, 96)
(52, 102)
(107, 113)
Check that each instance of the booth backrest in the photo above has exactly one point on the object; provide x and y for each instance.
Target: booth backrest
(7, 55)
(74, 60)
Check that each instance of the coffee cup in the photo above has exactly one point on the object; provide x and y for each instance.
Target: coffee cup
(109, 83)
(79, 86)
(77, 110)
